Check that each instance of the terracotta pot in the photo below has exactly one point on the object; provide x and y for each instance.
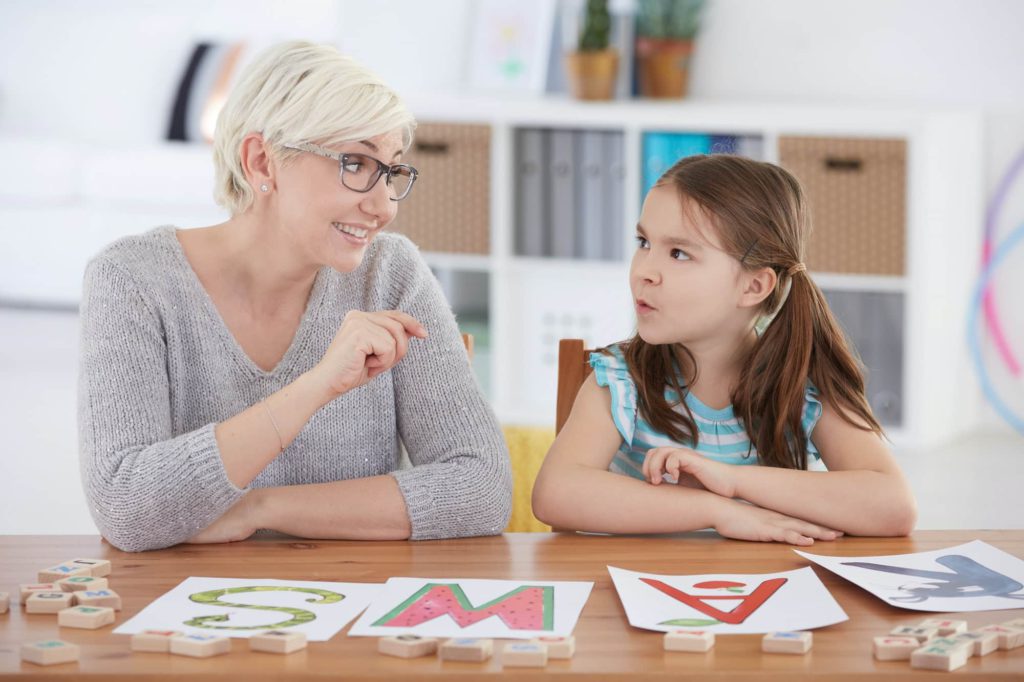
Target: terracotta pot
(663, 66)
(592, 74)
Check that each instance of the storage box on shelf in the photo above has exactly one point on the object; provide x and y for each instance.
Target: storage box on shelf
(896, 200)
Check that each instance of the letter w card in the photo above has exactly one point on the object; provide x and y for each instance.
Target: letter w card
(465, 607)
(974, 576)
(726, 604)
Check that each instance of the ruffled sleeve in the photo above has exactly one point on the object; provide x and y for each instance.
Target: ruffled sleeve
(611, 372)
(812, 413)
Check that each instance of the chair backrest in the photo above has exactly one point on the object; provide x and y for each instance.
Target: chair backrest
(573, 370)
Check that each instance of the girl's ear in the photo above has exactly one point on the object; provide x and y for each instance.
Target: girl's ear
(256, 161)
(758, 285)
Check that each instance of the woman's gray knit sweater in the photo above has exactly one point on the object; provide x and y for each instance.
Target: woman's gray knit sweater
(159, 369)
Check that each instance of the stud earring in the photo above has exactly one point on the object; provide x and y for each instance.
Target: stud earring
(264, 188)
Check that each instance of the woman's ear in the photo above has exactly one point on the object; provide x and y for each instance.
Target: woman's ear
(256, 161)
(757, 286)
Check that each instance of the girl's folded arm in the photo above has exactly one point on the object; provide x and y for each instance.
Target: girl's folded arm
(574, 488)
(862, 493)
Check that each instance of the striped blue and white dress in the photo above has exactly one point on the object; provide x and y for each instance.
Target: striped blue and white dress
(721, 434)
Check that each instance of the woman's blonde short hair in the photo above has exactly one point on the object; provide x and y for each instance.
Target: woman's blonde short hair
(300, 92)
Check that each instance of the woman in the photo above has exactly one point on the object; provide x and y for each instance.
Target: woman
(261, 373)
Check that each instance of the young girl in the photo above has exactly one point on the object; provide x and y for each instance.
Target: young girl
(737, 361)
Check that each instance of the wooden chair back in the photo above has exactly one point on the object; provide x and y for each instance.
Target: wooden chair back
(573, 370)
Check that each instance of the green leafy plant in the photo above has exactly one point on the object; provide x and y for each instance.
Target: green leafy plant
(596, 26)
(668, 19)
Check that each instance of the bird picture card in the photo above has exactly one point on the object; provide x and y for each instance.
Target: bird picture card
(726, 603)
(460, 607)
(242, 607)
(974, 576)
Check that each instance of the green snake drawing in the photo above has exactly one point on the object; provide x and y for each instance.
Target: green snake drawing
(298, 616)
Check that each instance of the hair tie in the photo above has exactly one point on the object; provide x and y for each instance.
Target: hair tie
(799, 267)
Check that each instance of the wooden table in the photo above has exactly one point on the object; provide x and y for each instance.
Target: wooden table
(607, 647)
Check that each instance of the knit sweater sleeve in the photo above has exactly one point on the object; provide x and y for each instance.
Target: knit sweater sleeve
(146, 487)
(461, 480)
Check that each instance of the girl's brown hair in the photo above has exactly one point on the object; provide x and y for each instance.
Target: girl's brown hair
(762, 220)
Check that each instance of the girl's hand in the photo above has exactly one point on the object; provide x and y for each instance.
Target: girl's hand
(743, 521)
(237, 523)
(685, 466)
(367, 344)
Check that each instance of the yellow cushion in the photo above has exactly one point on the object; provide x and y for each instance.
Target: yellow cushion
(527, 446)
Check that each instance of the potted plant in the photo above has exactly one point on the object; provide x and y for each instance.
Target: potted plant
(665, 31)
(592, 68)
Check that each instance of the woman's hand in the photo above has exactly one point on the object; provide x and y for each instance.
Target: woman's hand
(237, 523)
(367, 344)
(687, 467)
(742, 521)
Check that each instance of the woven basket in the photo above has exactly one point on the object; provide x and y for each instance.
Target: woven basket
(857, 192)
(448, 210)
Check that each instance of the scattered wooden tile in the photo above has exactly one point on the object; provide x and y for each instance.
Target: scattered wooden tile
(48, 602)
(278, 641)
(49, 652)
(558, 647)
(787, 642)
(98, 568)
(200, 646)
(941, 653)
(55, 573)
(407, 646)
(154, 640)
(1009, 638)
(524, 655)
(26, 589)
(105, 597)
(689, 640)
(81, 583)
(983, 643)
(922, 634)
(467, 649)
(895, 648)
(85, 617)
(945, 628)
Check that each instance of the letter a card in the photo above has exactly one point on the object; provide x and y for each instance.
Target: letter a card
(974, 576)
(462, 607)
(726, 604)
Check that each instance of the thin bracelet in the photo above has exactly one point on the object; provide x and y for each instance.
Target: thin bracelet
(280, 441)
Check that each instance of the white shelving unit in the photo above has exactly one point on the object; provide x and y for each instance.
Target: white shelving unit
(535, 301)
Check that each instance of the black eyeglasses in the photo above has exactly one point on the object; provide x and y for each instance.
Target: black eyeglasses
(359, 172)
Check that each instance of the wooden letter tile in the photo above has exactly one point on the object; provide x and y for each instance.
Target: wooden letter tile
(55, 573)
(48, 602)
(983, 643)
(105, 597)
(558, 647)
(200, 646)
(85, 617)
(98, 568)
(407, 646)
(945, 627)
(895, 648)
(1009, 638)
(278, 641)
(25, 590)
(49, 652)
(689, 640)
(787, 642)
(80, 583)
(154, 640)
(922, 634)
(524, 655)
(467, 649)
(943, 653)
